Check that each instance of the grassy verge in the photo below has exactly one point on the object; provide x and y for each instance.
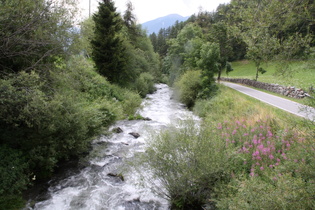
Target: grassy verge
(300, 74)
(245, 155)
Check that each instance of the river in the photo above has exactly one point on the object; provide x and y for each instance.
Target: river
(99, 184)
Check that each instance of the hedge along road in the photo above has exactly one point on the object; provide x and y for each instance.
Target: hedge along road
(281, 103)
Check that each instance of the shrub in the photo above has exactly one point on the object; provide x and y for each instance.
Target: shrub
(13, 171)
(188, 87)
(188, 162)
(145, 84)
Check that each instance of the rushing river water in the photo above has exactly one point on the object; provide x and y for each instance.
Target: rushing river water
(96, 186)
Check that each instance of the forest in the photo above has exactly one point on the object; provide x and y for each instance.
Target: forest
(63, 83)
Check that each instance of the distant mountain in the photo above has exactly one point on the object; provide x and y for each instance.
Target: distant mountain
(162, 22)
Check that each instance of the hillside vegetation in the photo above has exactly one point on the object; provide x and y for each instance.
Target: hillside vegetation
(60, 87)
(246, 154)
(300, 74)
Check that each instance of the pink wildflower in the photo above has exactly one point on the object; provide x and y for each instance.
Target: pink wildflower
(252, 174)
(262, 168)
(271, 157)
(219, 126)
(234, 132)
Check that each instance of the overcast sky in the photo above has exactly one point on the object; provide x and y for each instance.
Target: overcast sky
(146, 10)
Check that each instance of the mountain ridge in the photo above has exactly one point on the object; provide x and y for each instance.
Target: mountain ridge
(153, 26)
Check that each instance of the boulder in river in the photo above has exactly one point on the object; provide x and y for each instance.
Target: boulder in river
(147, 119)
(117, 130)
(134, 134)
(120, 176)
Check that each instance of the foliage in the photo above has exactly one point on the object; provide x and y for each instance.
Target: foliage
(209, 58)
(48, 126)
(219, 34)
(188, 165)
(32, 31)
(82, 41)
(13, 202)
(13, 171)
(108, 49)
(183, 51)
(272, 29)
(145, 84)
(188, 87)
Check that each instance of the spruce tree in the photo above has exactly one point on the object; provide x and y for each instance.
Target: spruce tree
(108, 51)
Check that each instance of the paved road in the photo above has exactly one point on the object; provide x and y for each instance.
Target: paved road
(285, 104)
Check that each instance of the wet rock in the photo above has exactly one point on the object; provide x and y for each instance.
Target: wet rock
(117, 130)
(120, 176)
(134, 134)
(147, 119)
(101, 142)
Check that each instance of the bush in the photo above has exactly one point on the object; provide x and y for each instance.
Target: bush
(188, 162)
(14, 175)
(12, 202)
(188, 87)
(145, 84)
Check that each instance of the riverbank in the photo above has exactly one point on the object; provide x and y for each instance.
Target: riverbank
(243, 155)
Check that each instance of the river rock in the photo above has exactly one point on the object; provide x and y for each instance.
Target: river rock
(117, 130)
(134, 134)
(120, 176)
(147, 119)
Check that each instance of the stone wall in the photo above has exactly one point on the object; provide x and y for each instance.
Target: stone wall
(275, 88)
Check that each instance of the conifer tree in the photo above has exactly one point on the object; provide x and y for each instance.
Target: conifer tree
(108, 51)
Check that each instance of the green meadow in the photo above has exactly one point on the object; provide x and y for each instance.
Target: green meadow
(300, 74)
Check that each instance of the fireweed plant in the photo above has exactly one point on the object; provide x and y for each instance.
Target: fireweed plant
(258, 148)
